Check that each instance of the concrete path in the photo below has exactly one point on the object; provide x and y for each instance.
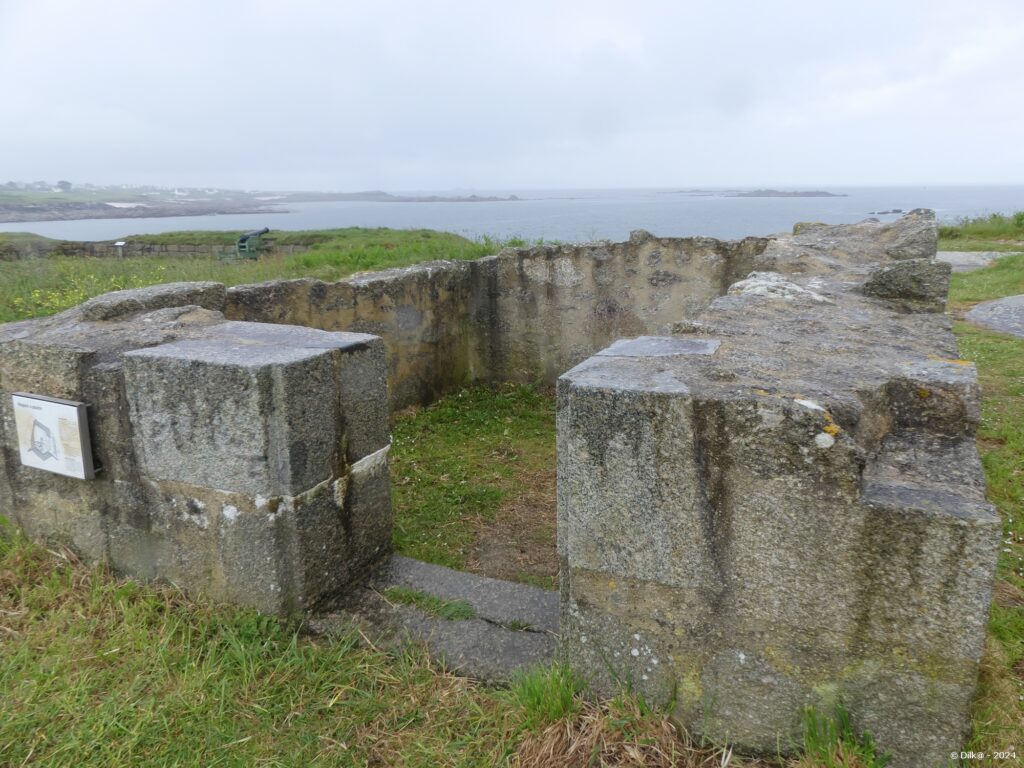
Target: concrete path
(968, 261)
(1006, 315)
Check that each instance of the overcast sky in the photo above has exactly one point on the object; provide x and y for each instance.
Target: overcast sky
(370, 94)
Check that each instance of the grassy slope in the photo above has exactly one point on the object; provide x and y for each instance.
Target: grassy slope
(22, 237)
(35, 287)
(1004, 277)
(98, 671)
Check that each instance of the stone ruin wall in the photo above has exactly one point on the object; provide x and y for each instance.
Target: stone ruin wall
(524, 315)
(769, 499)
(41, 249)
(782, 504)
(242, 460)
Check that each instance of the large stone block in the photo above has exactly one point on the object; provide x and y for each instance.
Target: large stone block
(749, 551)
(915, 285)
(120, 304)
(252, 408)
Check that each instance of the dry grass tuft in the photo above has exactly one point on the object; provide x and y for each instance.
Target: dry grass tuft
(1007, 594)
(620, 735)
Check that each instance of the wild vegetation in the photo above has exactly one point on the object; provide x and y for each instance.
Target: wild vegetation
(99, 671)
(999, 708)
(36, 287)
(997, 232)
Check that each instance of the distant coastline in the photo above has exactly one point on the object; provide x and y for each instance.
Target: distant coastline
(376, 196)
(74, 211)
(38, 202)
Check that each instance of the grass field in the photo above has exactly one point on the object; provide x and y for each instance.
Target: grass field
(36, 287)
(999, 708)
(98, 671)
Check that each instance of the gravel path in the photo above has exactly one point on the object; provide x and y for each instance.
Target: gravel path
(968, 261)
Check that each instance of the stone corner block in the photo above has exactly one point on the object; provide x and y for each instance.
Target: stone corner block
(245, 407)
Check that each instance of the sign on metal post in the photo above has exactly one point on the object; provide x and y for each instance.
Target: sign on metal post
(53, 434)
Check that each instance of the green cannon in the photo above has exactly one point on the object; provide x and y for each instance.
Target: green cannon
(248, 246)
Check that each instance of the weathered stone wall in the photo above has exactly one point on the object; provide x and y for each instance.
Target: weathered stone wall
(783, 505)
(32, 249)
(242, 460)
(423, 314)
(540, 311)
(525, 314)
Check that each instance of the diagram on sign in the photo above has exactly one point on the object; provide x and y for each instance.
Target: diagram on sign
(53, 435)
(43, 444)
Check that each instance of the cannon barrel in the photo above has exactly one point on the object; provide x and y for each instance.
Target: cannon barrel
(254, 233)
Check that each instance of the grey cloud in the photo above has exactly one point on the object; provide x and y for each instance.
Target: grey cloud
(397, 95)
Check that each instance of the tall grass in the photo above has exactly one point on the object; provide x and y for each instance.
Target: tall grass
(36, 287)
(996, 232)
(830, 741)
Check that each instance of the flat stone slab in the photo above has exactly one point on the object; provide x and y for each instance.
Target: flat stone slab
(515, 625)
(499, 602)
(1006, 315)
(475, 647)
(968, 261)
(660, 346)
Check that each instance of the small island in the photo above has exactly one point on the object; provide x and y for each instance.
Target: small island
(756, 193)
(784, 193)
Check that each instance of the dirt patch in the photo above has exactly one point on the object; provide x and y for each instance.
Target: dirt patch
(519, 544)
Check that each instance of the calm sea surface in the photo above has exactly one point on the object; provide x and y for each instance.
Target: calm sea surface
(575, 215)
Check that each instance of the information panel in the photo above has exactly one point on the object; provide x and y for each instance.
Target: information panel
(53, 435)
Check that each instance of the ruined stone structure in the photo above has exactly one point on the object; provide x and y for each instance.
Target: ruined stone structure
(35, 249)
(769, 494)
(783, 504)
(243, 460)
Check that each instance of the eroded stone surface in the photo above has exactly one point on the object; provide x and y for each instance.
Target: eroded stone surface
(514, 626)
(916, 285)
(111, 306)
(655, 346)
(796, 519)
(242, 460)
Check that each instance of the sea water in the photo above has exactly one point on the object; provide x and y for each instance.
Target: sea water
(575, 215)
